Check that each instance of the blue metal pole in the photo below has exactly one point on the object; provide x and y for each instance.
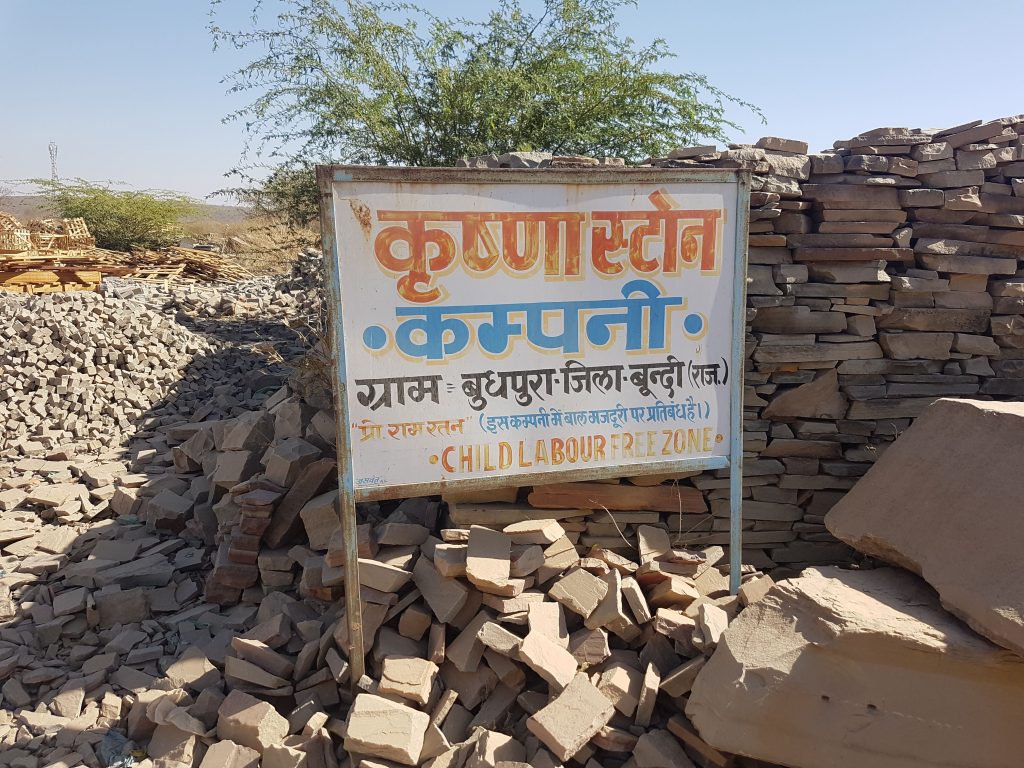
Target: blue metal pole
(739, 332)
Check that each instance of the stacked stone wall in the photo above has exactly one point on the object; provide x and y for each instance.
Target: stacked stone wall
(883, 274)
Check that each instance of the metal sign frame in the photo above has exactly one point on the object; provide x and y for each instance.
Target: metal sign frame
(330, 175)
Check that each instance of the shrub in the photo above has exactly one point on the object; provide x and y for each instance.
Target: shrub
(120, 220)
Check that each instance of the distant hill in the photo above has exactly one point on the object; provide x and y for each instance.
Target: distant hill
(28, 207)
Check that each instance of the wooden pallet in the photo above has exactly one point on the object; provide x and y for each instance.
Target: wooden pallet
(160, 274)
(77, 234)
(208, 265)
(15, 240)
(49, 281)
(49, 241)
(49, 259)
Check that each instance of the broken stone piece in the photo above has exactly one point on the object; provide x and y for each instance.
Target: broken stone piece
(410, 678)
(385, 728)
(548, 659)
(566, 724)
(250, 722)
(579, 591)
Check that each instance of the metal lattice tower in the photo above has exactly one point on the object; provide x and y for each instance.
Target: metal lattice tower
(53, 160)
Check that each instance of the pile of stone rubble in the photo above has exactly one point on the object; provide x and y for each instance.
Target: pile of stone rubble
(80, 368)
(290, 298)
(83, 372)
(190, 599)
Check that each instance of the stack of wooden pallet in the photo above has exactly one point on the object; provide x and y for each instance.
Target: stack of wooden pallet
(58, 256)
(185, 264)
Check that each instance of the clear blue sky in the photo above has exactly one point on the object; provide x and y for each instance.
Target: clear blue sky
(131, 90)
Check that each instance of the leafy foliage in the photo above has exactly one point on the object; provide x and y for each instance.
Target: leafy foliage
(288, 194)
(120, 220)
(378, 83)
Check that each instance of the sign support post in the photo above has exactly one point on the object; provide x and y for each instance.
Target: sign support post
(739, 332)
(613, 358)
(346, 482)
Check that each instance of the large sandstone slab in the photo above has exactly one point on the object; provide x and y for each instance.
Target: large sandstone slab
(889, 408)
(853, 254)
(947, 247)
(967, 265)
(944, 501)
(959, 320)
(384, 728)
(916, 346)
(661, 498)
(802, 353)
(798, 319)
(841, 196)
(569, 721)
(859, 668)
(818, 399)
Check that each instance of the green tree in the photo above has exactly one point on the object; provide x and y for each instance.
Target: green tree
(378, 83)
(289, 193)
(120, 220)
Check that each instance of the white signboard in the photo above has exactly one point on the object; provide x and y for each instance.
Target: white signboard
(501, 325)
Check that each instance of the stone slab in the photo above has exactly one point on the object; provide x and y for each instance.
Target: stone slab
(944, 501)
(567, 723)
(859, 668)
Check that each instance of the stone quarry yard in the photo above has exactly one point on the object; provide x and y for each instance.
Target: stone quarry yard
(172, 580)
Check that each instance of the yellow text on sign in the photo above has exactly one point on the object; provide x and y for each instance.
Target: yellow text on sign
(570, 451)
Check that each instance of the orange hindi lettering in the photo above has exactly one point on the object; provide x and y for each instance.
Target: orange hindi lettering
(707, 230)
(603, 243)
(520, 259)
(475, 234)
(569, 264)
(417, 282)
(699, 246)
